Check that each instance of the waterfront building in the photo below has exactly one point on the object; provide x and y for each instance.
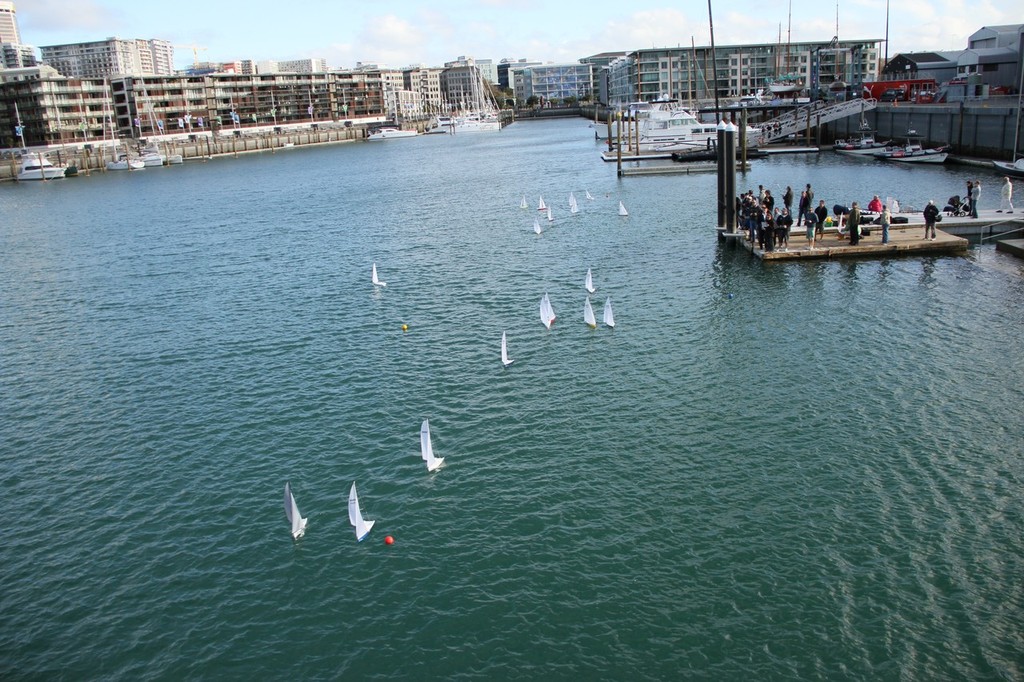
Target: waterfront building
(426, 83)
(554, 82)
(55, 109)
(601, 64)
(689, 73)
(110, 57)
(460, 87)
(487, 68)
(505, 67)
(302, 65)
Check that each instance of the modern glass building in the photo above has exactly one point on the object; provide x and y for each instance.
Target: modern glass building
(554, 82)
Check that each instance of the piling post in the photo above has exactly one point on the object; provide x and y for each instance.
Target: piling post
(609, 131)
(720, 155)
(730, 177)
(618, 154)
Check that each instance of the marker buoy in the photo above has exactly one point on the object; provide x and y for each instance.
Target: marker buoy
(405, 327)
(730, 295)
(389, 540)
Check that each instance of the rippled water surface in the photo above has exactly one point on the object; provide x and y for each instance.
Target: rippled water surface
(764, 471)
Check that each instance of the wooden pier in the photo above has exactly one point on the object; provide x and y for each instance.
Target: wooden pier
(904, 240)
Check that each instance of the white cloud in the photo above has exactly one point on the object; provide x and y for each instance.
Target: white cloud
(86, 16)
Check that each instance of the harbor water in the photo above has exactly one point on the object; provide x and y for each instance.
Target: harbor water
(764, 471)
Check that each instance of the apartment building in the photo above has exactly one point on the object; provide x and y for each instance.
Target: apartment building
(110, 57)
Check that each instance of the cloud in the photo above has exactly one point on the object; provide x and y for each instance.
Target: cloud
(81, 16)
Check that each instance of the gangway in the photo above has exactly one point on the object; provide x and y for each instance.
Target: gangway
(811, 115)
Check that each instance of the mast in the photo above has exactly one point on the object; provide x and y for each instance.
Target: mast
(714, 61)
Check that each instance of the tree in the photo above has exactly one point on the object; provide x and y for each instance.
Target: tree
(532, 101)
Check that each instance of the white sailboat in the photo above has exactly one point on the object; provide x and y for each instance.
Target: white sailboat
(291, 510)
(589, 283)
(550, 219)
(376, 281)
(355, 516)
(609, 316)
(536, 226)
(541, 206)
(573, 206)
(522, 204)
(622, 209)
(547, 313)
(505, 359)
(589, 196)
(588, 314)
(427, 450)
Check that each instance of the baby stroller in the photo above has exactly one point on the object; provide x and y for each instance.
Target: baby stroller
(955, 207)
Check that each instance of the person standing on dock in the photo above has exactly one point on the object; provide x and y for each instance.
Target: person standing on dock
(821, 213)
(812, 228)
(885, 224)
(1007, 195)
(975, 197)
(803, 208)
(968, 199)
(853, 224)
(787, 199)
(931, 212)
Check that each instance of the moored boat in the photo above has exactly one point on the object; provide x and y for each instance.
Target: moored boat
(38, 167)
(390, 133)
(125, 163)
(1015, 169)
(912, 151)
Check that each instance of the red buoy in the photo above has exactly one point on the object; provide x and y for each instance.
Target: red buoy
(389, 540)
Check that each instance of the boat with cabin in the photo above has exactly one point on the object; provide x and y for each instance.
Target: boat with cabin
(38, 167)
(912, 151)
(390, 133)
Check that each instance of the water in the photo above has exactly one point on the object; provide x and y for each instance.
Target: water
(818, 477)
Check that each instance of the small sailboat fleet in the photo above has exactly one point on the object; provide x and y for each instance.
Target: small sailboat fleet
(291, 511)
(355, 516)
(505, 359)
(547, 313)
(427, 448)
(376, 280)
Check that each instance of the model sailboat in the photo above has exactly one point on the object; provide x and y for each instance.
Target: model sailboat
(589, 283)
(547, 313)
(505, 359)
(427, 450)
(573, 206)
(588, 314)
(536, 226)
(355, 516)
(609, 316)
(541, 206)
(376, 281)
(522, 204)
(590, 197)
(291, 510)
(622, 209)
(550, 219)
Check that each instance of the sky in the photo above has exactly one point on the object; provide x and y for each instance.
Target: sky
(402, 32)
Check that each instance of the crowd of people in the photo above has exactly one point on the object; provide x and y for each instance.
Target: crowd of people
(769, 225)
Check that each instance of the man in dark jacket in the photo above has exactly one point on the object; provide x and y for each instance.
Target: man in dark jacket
(853, 223)
(931, 213)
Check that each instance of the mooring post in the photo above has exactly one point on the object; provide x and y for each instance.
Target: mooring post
(721, 155)
(731, 133)
(618, 119)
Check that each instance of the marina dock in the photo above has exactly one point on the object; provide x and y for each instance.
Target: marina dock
(904, 240)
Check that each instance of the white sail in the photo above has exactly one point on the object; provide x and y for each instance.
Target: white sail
(536, 226)
(522, 204)
(291, 510)
(505, 359)
(573, 206)
(589, 195)
(376, 281)
(609, 316)
(541, 206)
(426, 449)
(622, 209)
(588, 315)
(589, 283)
(547, 313)
(550, 219)
(356, 517)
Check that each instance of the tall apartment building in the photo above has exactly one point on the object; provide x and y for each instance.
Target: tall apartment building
(551, 82)
(111, 57)
(427, 82)
(9, 24)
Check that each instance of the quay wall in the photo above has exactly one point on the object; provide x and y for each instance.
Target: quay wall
(985, 131)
